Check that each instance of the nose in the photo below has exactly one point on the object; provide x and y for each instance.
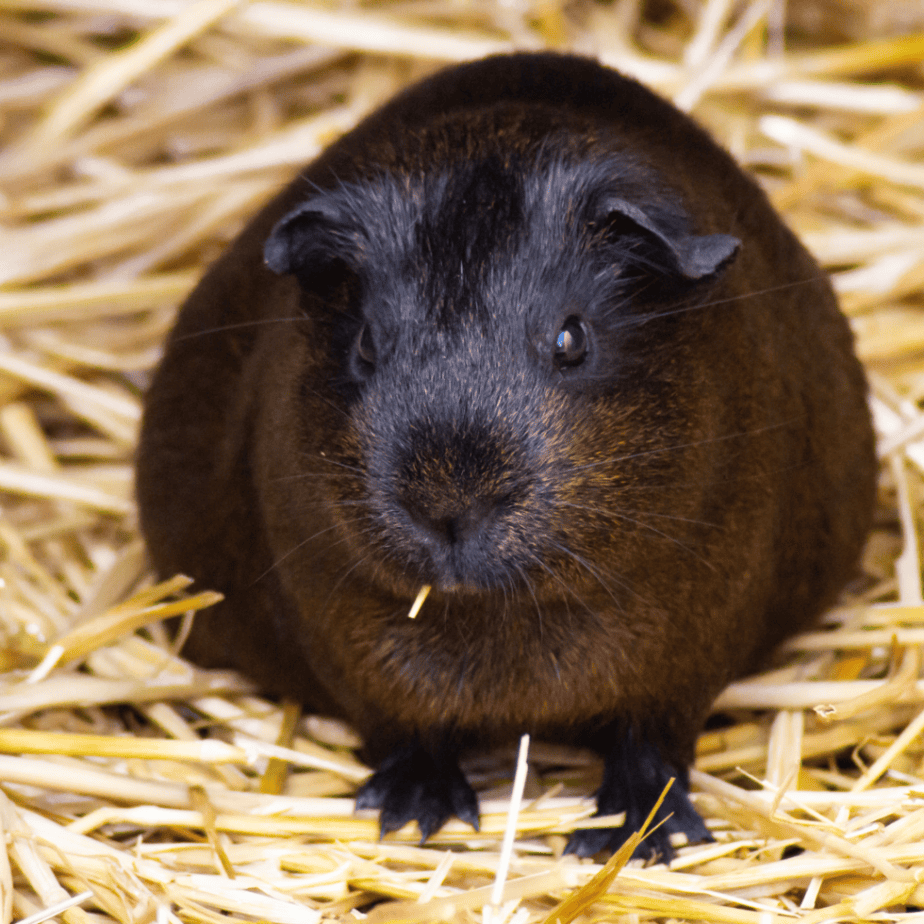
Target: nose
(453, 520)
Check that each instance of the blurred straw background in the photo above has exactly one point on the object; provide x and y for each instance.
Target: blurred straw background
(135, 138)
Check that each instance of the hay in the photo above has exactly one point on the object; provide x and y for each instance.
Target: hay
(137, 135)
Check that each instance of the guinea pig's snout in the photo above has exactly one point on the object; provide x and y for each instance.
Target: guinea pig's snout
(460, 501)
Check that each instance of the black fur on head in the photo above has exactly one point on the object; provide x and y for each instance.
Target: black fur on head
(493, 290)
(457, 221)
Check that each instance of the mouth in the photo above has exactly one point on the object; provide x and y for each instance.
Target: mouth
(445, 580)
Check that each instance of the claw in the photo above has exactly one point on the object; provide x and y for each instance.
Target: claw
(634, 776)
(412, 785)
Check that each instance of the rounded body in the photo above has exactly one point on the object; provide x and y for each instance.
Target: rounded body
(529, 336)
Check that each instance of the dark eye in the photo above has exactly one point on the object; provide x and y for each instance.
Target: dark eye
(365, 346)
(571, 344)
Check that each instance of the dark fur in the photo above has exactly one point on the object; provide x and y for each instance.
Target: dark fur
(610, 542)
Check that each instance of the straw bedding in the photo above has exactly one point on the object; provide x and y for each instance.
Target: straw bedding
(135, 137)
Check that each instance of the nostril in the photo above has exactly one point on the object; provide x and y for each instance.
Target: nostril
(454, 523)
(447, 529)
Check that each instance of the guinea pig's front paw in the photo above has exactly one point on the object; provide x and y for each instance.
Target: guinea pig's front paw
(412, 784)
(634, 776)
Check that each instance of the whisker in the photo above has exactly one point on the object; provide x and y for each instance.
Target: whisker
(614, 460)
(343, 577)
(709, 482)
(592, 571)
(329, 476)
(607, 511)
(650, 528)
(684, 308)
(524, 577)
(237, 325)
(300, 545)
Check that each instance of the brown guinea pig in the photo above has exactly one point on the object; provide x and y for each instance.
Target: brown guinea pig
(529, 336)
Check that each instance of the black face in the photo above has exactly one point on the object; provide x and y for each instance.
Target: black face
(480, 323)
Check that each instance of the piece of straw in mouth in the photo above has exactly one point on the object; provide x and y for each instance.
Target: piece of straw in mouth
(418, 601)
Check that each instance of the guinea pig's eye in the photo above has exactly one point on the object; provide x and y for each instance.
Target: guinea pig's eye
(570, 344)
(365, 346)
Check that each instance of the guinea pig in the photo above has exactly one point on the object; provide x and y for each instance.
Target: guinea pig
(527, 336)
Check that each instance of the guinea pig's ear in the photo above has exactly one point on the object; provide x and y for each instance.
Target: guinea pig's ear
(693, 257)
(309, 240)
